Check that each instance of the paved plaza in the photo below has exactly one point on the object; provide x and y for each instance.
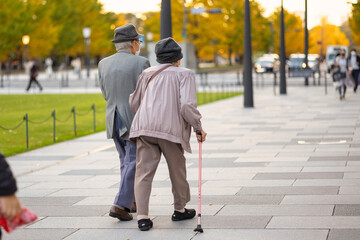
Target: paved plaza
(287, 169)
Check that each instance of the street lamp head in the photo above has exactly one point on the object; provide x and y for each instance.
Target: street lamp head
(26, 39)
(86, 32)
(149, 36)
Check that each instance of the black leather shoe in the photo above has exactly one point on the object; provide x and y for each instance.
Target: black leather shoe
(145, 224)
(188, 214)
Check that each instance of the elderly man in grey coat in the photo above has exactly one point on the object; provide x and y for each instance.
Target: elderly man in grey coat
(118, 75)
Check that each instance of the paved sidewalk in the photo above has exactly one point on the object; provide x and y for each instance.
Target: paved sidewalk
(288, 169)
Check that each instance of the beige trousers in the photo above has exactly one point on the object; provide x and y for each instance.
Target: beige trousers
(148, 155)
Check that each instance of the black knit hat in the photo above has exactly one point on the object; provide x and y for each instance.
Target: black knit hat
(167, 51)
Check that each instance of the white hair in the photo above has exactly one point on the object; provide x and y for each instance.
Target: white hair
(122, 45)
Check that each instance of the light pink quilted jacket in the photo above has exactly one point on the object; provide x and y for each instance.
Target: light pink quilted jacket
(167, 108)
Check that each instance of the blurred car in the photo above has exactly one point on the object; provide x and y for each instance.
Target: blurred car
(272, 55)
(297, 62)
(266, 64)
(314, 62)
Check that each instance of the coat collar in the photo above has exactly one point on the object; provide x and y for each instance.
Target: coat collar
(125, 51)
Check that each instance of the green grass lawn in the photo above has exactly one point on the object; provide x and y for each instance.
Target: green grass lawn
(39, 108)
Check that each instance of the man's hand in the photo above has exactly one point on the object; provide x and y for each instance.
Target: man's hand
(201, 136)
(10, 206)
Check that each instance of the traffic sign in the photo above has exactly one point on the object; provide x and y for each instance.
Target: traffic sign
(197, 10)
(215, 10)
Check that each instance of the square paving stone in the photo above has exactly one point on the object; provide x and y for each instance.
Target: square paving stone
(262, 234)
(291, 190)
(35, 192)
(308, 164)
(235, 150)
(52, 178)
(327, 182)
(248, 183)
(38, 234)
(344, 234)
(301, 175)
(50, 201)
(239, 199)
(219, 162)
(111, 149)
(322, 199)
(70, 211)
(271, 143)
(352, 175)
(331, 169)
(277, 210)
(215, 222)
(93, 172)
(82, 222)
(91, 192)
(332, 158)
(39, 158)
(347, 210)
(315, 222)
(133, 234)
(349, 190)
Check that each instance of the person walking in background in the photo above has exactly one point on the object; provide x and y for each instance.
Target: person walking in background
(34, 72)
(342, 64)
(118, 75)
(49, 68)
(166, 108)
(354, 67)
(76, 64)
(10, 205)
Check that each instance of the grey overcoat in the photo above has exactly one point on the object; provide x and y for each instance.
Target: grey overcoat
(118, 75)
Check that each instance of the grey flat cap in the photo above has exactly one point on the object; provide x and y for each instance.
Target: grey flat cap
(126, 33)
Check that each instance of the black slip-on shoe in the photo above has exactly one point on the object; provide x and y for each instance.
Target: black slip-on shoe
(188, 214)
(145, 224)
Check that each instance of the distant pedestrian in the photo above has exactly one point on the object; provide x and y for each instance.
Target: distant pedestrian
(10, 205)
(118, 75)
(341, 63)
(76, 64)
(34, 73)
(166, 108)
(49, 68)
(354, 67)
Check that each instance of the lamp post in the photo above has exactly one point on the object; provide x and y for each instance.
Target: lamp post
(26, 41)
(86, 34)
(184, 35)
(248, 83)
(165, 21)
(282, 53)
(306, 44)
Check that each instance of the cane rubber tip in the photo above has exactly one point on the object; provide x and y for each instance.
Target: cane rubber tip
(198, 229)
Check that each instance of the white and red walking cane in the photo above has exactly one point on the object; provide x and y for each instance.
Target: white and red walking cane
(198, 227)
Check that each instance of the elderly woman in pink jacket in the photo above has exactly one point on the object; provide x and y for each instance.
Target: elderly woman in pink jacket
(165, 104)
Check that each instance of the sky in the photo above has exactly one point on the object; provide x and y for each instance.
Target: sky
(336, 10)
